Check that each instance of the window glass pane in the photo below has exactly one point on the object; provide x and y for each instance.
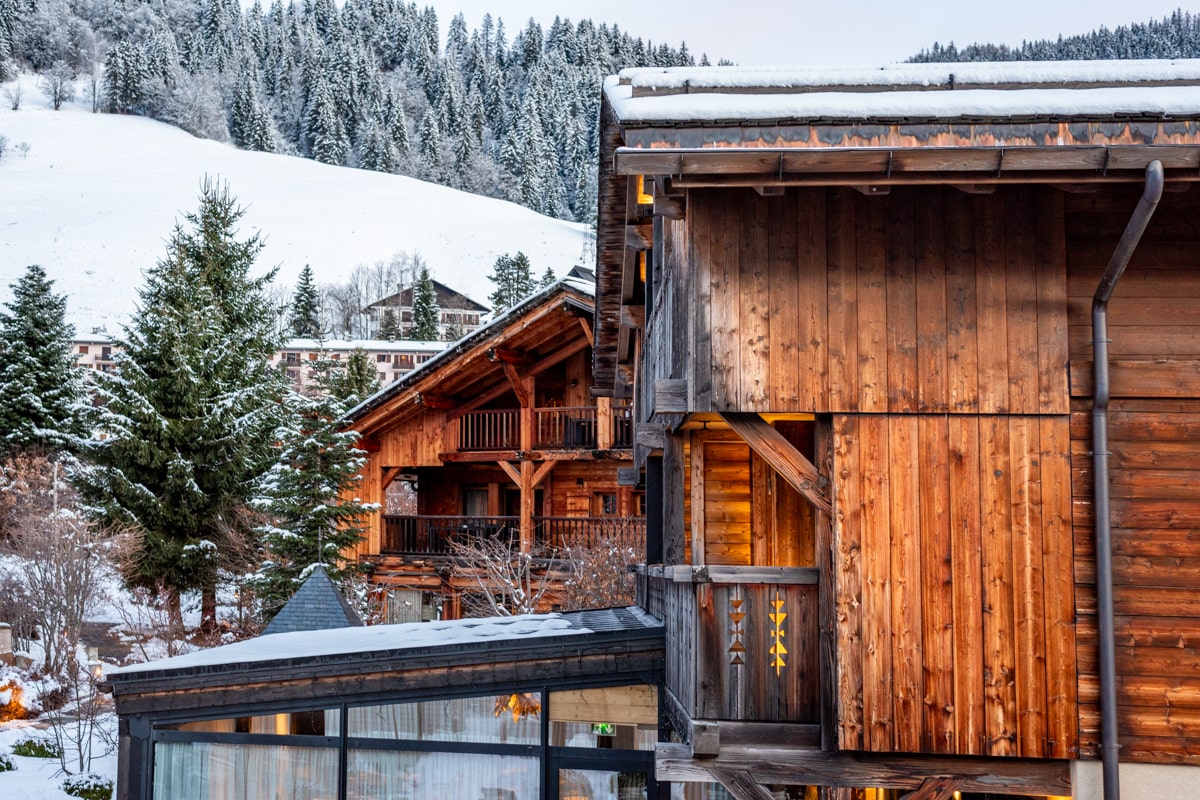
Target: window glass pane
(295, 723)
(602, 735)
(204, 771)
(498, 719)
(592, 784)
(372, 774)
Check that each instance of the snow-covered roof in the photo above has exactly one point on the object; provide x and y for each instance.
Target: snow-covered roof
(579, 281)
(369, 345)
(908, 91)
(389, 641)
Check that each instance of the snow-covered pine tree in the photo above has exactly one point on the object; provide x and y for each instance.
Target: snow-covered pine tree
(389, 326)
(305, 319)
(309, 520)
(190, 420)
(126, 76)
(513, 280)
(41, 388)
(548, 278)
(425, 312)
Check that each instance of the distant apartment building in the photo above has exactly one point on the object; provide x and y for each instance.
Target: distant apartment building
(391, 359)
(459, 315)
(94, 351)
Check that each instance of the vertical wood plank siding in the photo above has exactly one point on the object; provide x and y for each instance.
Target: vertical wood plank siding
(829, 301)
(958, 585)
(1154, 438)
(933, 328)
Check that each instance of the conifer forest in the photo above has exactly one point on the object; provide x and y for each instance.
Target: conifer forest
(504, 112)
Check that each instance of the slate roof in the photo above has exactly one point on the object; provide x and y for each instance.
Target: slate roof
(316, 606)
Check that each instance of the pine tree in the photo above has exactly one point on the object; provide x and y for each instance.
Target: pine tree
(389, 326)
(309, 519)
(425, 312)
(41, 388)
(548, 278)
(190, 420)
(354, 382)
(513, 280)
(304, 322)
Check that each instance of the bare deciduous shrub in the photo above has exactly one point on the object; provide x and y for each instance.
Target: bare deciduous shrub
(599, 576)
(507, 581)
(60, 562)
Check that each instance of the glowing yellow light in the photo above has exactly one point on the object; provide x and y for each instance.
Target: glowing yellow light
(642, 197)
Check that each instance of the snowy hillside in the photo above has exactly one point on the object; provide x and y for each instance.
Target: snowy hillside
(96, 195)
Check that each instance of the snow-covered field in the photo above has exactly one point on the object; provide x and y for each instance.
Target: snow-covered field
(96, 195)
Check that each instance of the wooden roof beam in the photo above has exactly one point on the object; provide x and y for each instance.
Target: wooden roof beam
(741, 785)
(522, 385)
(783, 457)
(507, 355)
(436, 401)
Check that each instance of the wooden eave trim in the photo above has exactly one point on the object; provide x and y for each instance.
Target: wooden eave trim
(908, 161)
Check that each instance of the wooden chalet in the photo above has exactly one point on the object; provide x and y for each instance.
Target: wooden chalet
(501, 436)
(921, 463)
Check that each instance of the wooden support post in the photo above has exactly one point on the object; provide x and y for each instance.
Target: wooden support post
(673, 500)
(826, 595)
(604, 423)
(527, 506)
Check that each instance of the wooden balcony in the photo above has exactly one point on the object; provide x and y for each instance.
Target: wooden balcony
(558, 428)
(724, 629)
(432, 536)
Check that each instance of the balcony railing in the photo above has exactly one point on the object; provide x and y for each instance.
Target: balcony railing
(490, 430)
(559, 428)
(564, 428)
(750, 631)
(428, 535)
(432, 536)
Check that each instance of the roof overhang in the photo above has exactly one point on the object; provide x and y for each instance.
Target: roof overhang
(603, 645)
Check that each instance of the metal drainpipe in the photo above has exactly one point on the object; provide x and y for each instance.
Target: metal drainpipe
(1109, 748)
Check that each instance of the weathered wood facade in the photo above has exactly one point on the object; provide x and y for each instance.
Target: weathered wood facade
(860, 353)
(499, 436)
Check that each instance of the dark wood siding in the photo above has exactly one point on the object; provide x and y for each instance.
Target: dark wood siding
(1154, 433)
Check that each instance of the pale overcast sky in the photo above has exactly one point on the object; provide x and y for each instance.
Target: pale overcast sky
(785, 32)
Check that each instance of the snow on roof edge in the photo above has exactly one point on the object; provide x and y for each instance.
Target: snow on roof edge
(729, 107)
(358, 640)
(1045, 74)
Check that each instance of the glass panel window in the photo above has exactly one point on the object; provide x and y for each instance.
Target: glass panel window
(208, 771)
(475, 502)
(374, 774)
(594, 784)
(496, 719)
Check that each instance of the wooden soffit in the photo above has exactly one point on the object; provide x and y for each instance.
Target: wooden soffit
(912, 160)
